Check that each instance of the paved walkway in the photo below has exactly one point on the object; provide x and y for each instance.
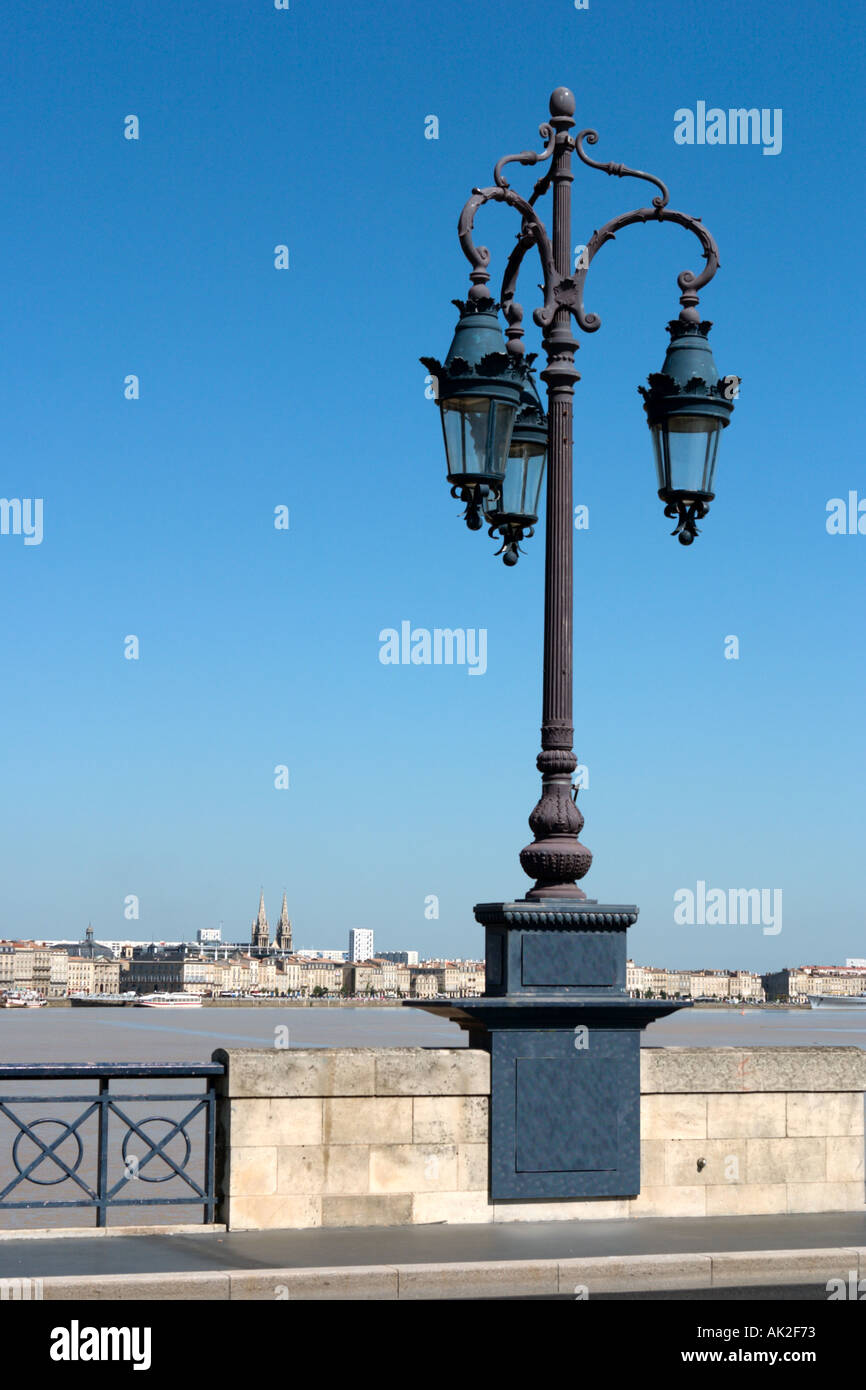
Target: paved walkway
(340, 1247)
(518, 1259)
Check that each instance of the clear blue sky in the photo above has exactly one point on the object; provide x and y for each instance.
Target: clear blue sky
(302, 387)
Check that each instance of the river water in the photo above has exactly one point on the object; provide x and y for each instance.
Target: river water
(153, 1035)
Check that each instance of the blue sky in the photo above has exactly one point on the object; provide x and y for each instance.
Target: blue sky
(302, 387)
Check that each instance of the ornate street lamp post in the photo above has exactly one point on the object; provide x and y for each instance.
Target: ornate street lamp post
(563, 1033)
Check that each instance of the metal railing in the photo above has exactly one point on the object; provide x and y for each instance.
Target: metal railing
(90, 1159)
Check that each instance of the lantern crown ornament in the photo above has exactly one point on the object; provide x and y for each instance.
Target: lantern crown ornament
(687, 406)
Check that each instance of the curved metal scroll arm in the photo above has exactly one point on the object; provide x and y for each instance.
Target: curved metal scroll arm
(621, 171)
(533, 232)
(528, 157)
(511, 309)
(688, 282)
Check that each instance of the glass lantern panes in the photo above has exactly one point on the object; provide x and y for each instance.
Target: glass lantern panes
(685, 448)
(477, 432)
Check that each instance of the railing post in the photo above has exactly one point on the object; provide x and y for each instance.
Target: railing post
(209, 1153)
(102, 1154)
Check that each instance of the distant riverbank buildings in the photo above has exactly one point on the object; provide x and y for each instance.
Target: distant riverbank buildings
(657, 982)
(257, 967)
(793, 985)
(261, 966)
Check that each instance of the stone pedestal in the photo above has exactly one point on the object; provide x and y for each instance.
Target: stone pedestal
(564, 1039)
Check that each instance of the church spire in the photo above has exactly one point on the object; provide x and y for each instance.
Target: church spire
(284, 929)
(261, 932)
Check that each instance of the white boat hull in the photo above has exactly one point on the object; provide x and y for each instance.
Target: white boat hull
(169, 1001)
(101, 1001)
(837, 1001)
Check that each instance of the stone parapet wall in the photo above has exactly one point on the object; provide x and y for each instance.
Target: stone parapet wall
(735, 1132)
(398, 1136)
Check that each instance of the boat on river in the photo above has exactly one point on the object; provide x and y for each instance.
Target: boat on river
(102, 1001)
(21, 999)
(165, 1000)
(837, 1001)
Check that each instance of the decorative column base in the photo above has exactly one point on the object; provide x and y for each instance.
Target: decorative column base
(564, 1039)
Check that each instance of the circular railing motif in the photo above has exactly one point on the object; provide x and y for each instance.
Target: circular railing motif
(66, 1169)
(134, 1162)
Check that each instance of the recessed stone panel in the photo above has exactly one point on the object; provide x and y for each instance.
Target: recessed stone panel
(567, 959)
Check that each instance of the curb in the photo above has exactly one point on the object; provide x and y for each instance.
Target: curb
(579, 1278)
(91, 1232)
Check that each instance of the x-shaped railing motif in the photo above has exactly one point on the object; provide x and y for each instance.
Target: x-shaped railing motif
(48, 1150)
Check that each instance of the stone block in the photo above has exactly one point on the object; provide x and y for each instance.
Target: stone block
(785, 1160)
(298, 1072)
(669, 1201)
(811, 1069)
(413, 1168)
(367, 1120)
(481, 1279)
(274, 1123)
(670, 1071)
(747, 1116)
(472, 1167)
(356, 1283)
(734, 1269)
(652, 1162)
(720, 1160)
(578, 1209)
(845, 1160)
(836, 1114)
(455, 1208)
(449, 1119)
(86, 1288)
(252, 1171)
(747, 1199)
(427, 1071)
(391, 1209)
(279, 1212)
(346, 1169)
(633, 1274)
(825, 1196)
(673, 1117)
(706, 1070)
(300, 1169)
